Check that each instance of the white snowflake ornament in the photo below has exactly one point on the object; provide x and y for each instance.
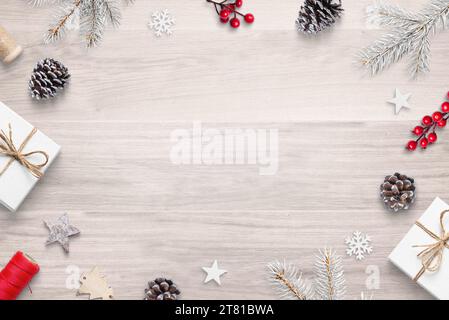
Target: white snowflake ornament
(161, 22)
(359, 245)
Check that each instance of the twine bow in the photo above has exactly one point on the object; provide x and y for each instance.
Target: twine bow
(8, 149)
(432, 256)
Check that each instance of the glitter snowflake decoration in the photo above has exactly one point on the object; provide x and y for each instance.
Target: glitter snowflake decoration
(359, 245)
(161, 22)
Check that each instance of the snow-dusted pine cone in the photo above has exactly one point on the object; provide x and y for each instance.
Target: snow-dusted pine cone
(398, 192)
(162, 289)
(317, 15)
(48, 77)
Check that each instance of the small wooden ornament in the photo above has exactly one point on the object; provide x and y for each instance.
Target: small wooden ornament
(95, 285)
(9, 49)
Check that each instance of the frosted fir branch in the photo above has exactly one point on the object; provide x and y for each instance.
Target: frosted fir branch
(409, 35)
(93, 21)
(58, 30)
(329, 276)
(112, 12)
(387, 50)
(94, 16)
(420, 62)
(288, 281)
(390, 15)
(436, 15)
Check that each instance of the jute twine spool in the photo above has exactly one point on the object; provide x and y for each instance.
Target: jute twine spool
(9, 50)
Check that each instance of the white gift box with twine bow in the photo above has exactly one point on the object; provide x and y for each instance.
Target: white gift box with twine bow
(25, 154)
(423, 254)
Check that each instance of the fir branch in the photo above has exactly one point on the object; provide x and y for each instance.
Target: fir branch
(389, 49)
(93, 19)
(112, 12)
(94, 15)
(420, 61)
(288, 281)
(393, 16)
(409, 35)
(58, 30)
(329, 276)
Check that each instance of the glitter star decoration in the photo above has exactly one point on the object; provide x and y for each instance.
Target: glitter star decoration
(400, 101)
(60, 231)
(213, 273)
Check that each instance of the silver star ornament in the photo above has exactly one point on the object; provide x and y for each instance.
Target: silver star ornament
(213, 273)
(60, 231)
(400, 101)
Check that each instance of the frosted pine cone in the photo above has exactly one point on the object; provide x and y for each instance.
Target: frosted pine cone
(49, 76)
(398, 192)
(317, 15)
(162, 289)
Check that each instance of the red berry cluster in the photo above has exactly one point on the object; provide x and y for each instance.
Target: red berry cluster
(426, 132)
(227, 12)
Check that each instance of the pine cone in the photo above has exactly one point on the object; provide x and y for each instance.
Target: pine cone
(161, 289)
(398, 192)
(317, 15)
(48, 77)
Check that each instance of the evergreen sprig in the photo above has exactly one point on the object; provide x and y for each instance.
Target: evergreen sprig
(93, 15)
(409, 34)
(288, 281)
(329, 276)
(329, 282)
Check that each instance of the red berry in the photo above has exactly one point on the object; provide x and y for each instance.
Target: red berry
(432, 137)
(437, 116)
(249, 18)
(224, 14)
(238, 3)
(231, 7)
(423, 143)
(411, 145)
(235, 23)
(224, 20)
(442, 123)
(445, 107)
(418, 130)
(427, 120)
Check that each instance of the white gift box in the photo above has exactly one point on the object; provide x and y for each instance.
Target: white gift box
(404, 256)
(17, 181)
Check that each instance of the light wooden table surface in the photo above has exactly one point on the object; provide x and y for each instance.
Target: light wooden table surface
(141, 216)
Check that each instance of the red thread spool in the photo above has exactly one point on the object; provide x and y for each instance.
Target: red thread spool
(16, 275)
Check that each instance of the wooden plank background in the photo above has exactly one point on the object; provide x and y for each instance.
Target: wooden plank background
(141, 216)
